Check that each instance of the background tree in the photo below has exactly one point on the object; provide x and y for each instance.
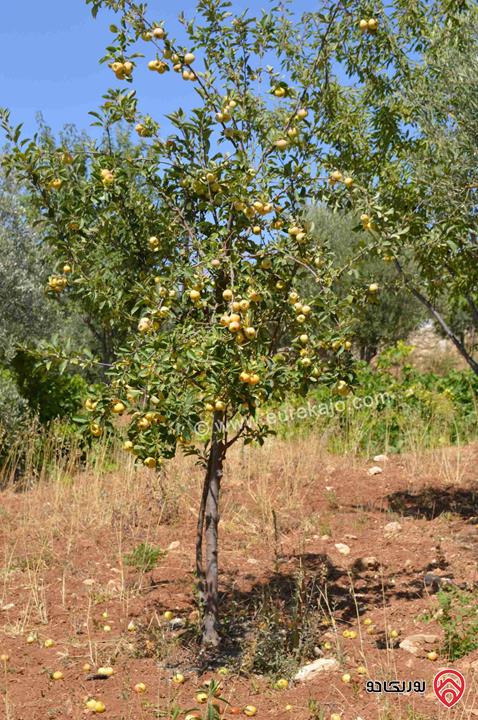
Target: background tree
(391, 313)
(198, 239)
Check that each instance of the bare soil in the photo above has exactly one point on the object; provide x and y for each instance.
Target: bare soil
(284, 508)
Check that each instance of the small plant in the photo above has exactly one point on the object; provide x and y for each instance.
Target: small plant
(144, 557)
(458, 617)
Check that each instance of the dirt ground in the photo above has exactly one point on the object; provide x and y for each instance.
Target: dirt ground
(284, 509)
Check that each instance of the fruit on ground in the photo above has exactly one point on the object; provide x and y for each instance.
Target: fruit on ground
(250, 710)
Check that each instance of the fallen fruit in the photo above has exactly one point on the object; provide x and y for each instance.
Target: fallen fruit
(49, 643)
(346, 678)
(140, 687)
(201, 697)
(178, 678)
(57, 675)
(432, 655)
(250, 710)
(282, 684)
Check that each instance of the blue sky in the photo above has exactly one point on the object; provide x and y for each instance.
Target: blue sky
(51, 50)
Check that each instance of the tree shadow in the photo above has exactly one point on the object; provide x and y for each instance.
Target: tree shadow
(430, 502)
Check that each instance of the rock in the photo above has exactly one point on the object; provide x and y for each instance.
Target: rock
(89, 581)
(415, 643)
(329, 487)
(350, 537)
(435, 582)
(392, 528)
(312, 669)
(380, 458)
(375, 470)
(176, 623)
(325, 537)
(367, 563)
(9, 606)
(252, 561)
(342, 548)
(175, 544)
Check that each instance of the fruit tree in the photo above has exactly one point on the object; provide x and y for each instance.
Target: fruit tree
(213, 214)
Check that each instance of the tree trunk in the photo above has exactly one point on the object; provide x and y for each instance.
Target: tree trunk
(460, 346)
(208, 522)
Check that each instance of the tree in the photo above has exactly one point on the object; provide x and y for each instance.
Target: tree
(199, 239)
(421, 194)
(391, 314)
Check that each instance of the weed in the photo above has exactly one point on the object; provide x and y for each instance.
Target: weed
(144, 557)
(459, 620)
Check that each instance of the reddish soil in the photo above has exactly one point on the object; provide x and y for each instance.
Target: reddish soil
(80, 577)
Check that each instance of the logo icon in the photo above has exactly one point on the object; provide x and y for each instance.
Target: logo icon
(449, 686)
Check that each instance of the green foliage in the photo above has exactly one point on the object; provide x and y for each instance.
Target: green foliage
(459, 620)
(14, 412)
(144, 557)
(390, 314)
(50, 394)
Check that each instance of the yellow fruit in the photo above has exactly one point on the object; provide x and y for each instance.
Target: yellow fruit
(223, 671)
(306, 310)
(282, 684)
(119, 408)
(153, 242)
(194, 295)
(361, 670)
(256, 229)
(236, 306)
(144, 423)
(57, 675)
(372, 25)
(106, 628)
(234, 326)
(279, 92)
(140, 687)
(348, 181)
(227, 295)
(250, 710)
(131, 626)
(363, 25)
(178, 678)
(244, 305)
(244, 377)
(364, 218)
(302, 113)
(335, 716)
(394, 633)
(91, 404)
(336, 176)
(168, 615)
(56, 183)
(96, 429)
(91, 704)
(189, 58)
(31, 639)
(327, 645)
(432, 655)
(304, 339)
(158, 33)
(346, 633)
(100, 707)
(254, 379)
(367, 621)
(150, 462)
(281, 144)
(292, 132)
(201, 697)
(352, 634)
(209, 407)
(346, 678)
(219, 406)
(67, 269)
(128, 68)
(373, 288)
(86, 667)
(250, 333)
(49, 643)
(300, 318)
(4, 658)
